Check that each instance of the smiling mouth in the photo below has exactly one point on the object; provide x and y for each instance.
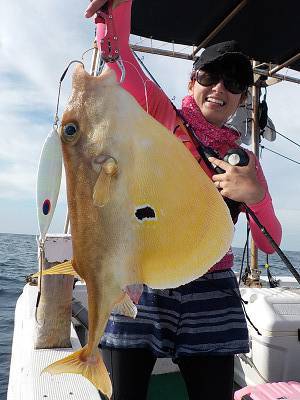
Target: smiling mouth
(216, 101)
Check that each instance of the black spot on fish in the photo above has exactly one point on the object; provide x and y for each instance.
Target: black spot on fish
(145, 213)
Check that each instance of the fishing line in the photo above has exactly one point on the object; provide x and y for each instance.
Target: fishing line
(56, 119)
(85, 52)
(144, 83)
(146, 69)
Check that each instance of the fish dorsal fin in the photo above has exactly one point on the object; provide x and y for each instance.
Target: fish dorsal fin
(102, 187)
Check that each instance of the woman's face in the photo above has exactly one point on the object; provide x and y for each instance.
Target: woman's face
(216, 103)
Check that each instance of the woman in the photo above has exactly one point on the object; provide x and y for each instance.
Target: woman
(200, 325)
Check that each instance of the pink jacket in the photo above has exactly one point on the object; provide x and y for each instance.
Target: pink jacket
(157, 104)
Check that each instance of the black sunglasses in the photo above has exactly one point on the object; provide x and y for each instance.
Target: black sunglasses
(232, 84)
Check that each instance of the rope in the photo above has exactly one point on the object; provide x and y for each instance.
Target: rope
(273, 282)
(243, 277)
(281, 155)
(290, 140)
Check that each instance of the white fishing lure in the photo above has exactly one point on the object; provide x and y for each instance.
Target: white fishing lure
(48, 181)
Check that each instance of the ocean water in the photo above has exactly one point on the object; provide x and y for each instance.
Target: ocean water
(18, 258)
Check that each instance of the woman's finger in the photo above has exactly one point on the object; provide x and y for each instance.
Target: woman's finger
(218, 177)
(94, 6)
(219, 163)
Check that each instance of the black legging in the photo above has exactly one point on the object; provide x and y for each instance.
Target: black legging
(205, 376)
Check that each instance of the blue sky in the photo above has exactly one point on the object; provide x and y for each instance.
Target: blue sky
(37, 41)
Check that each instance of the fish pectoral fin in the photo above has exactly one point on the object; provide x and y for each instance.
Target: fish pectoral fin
(65, 268)
(126, 307)
(102, 186)
(90, 366)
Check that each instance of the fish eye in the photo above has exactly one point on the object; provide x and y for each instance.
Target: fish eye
(69, 132)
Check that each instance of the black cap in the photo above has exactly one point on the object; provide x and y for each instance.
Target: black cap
(229, 51)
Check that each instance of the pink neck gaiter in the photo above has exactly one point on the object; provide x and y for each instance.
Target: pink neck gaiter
(219, 139)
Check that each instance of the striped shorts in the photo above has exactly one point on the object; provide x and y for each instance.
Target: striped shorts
(203, 316)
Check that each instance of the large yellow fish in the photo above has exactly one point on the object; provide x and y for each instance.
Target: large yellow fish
(141, 208)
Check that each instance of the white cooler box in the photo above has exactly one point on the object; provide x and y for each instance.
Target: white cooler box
(275, 355)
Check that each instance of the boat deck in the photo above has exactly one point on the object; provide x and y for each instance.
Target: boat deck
(26, 381)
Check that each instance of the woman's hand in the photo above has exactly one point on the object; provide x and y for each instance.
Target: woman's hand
(239, 183)
(95, 5)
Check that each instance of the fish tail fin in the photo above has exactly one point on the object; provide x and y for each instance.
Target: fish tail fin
(65, 268)
(90, 366)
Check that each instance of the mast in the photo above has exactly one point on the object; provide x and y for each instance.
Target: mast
(254, 280)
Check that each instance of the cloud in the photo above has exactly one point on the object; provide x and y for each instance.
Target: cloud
(47, 38)
(19, 150)
(39, 39)
(31, 63)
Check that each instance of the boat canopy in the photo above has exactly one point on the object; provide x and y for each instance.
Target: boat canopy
(266, 30)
